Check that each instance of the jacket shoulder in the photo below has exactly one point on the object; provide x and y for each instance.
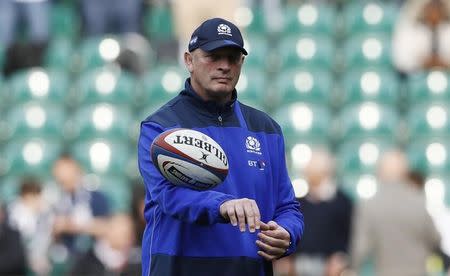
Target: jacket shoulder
(166, 115)
(259, 121)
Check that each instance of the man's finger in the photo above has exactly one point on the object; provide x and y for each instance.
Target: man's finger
(270, 249)
(281, 243)
(232, 215)
(240, 216)
(257, 215)
(266, 256)
(250, 217)
(277, 234)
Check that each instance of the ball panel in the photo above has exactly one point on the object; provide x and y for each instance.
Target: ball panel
(181, 172)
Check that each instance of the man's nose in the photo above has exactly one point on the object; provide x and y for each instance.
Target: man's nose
(224, 63)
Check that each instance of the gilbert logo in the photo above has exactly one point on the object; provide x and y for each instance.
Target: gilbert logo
(224, 29)
(252, 144)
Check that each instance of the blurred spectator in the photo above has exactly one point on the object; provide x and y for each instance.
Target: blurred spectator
(422, 36)
(79, 210)
(31, 217)
(34, 15)
(394, 226)
(111, 16)
(327, 212)
(12, 252)
(112, 251)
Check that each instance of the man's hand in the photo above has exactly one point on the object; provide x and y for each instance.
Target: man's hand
(241, 212)
(274, 241)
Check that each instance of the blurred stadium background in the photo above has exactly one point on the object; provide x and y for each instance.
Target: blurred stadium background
(326, 75)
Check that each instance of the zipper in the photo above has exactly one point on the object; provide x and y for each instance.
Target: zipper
(220, 119)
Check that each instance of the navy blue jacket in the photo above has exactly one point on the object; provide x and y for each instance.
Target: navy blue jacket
(185, 233)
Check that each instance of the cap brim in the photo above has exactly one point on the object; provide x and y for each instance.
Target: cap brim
(213, 45)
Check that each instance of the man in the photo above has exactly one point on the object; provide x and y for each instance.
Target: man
(328, 213)
(191, 232)
(394, 226)
(79, 211)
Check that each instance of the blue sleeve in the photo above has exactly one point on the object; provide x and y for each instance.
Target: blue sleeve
(287, 212)
(182, 203)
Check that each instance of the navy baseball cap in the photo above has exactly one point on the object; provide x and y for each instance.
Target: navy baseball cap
(216, 33)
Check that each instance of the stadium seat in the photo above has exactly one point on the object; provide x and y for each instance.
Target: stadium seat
(258, 52)
(108, 84)
(102, 156)
(360, 156)
(301, 121)
(370, 84)
(161, 84)
(35, 119)
(252, 87)
(429, 120)
(307, 50)
(299, 152)
(430, 155)
(429, 86)
(95, 52)
(369, 16)
(367, 49)
(38, 84)
(437, 189)
(251, 20)
(158, 23)
(58, 55)
(34, 156)
(358, 186)
(304, 85)
(65, 21)
(367, 120)
(101, 121)
(309, 17)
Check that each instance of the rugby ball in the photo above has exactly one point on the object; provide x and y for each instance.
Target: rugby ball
(189, 158)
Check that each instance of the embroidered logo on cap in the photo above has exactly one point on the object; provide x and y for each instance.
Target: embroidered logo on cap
(193, 40)
(224, 29)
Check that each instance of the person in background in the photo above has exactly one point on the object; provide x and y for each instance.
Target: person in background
(111, 16)
(328, 213)
(394, 226)
(422, 35)
(34, 15)
(112, 251)
(12, 251)
(78, 211)
(30, 215)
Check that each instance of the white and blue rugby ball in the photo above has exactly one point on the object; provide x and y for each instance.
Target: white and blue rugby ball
(189, 158)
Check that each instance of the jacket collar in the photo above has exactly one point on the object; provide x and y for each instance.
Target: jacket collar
(210, 106)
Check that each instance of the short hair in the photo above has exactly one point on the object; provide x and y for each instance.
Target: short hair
(30, 185)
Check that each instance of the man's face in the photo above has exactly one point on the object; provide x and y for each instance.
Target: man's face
(68, 174)
(215, 74)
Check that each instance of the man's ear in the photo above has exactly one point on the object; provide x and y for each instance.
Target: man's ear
(188, 61)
